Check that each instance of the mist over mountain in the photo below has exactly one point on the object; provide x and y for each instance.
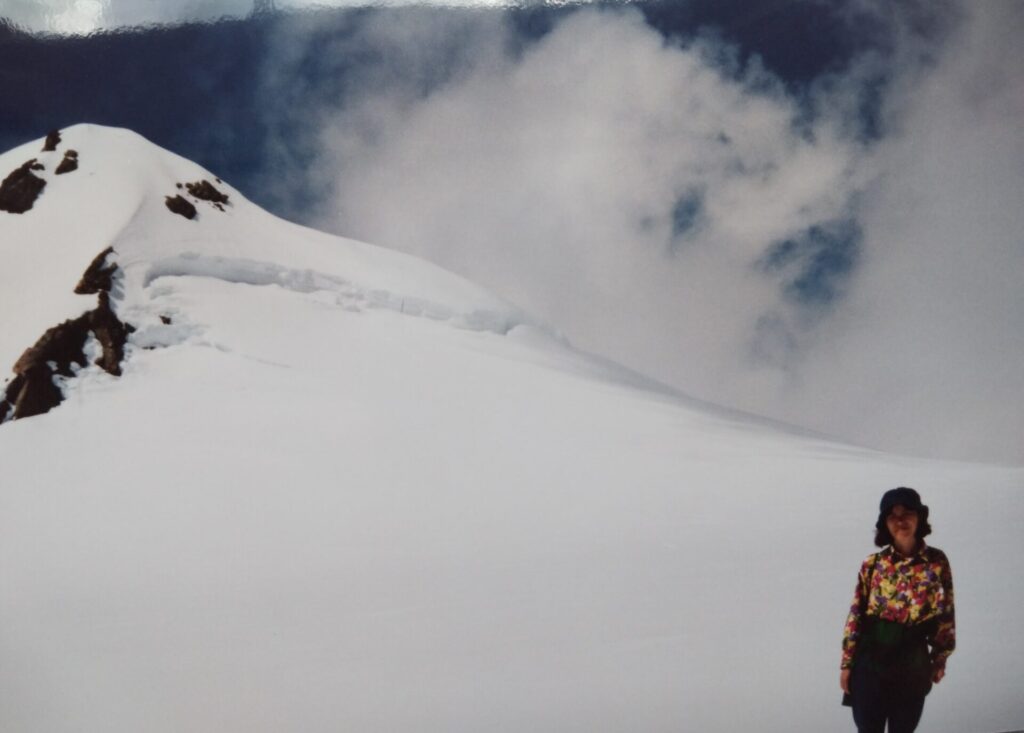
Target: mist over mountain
(817, 199)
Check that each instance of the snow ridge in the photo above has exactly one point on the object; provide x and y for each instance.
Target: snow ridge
(240, 270)
(116, 201)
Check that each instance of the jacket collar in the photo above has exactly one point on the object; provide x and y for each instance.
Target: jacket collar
(896, 556)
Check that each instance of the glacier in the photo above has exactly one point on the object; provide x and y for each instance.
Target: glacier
(339, 488)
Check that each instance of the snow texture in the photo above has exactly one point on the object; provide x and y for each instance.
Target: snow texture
(338, 488)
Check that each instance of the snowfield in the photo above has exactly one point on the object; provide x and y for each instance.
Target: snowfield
(337, 488)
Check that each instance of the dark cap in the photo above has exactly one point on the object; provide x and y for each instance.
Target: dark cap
(907, 498)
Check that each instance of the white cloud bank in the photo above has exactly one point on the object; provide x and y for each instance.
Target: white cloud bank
(561, 178)
(79, 17)
(929, 351)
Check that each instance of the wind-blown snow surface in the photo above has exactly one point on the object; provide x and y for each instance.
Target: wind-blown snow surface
(306, 506)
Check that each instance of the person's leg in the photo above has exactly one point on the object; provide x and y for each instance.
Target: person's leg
(868, 703)
(905, 713)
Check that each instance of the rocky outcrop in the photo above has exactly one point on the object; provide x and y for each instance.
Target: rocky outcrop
(34, 390)
(205, 191)
(52, 141)
(99, 275)
(181, 205)
(21, 188)
(200, 191)
(70, 163)
(111, 332)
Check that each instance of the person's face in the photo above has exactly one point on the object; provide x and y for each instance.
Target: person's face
(902, 524)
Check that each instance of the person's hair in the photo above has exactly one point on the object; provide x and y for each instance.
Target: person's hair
(883, 537)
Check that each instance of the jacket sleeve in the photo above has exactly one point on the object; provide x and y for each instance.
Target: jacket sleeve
(854, 621)
(945, 634)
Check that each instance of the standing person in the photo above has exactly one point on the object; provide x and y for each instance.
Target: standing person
(900, 630)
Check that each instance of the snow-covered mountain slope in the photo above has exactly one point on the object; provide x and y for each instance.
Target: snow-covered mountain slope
(337, 488)
(118, 197)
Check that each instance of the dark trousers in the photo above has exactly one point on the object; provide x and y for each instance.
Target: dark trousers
(876, 702)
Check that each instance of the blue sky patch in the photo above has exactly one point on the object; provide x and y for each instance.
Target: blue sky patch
(816, 264)
(686, 215)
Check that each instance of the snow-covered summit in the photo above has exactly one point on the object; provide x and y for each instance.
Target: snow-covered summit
(94, 190)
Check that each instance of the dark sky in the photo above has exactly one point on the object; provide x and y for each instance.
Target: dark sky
(198, 89)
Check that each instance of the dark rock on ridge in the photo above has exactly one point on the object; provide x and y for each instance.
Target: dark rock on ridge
(52, 141)
(111, 332)
(180, 205)
(70, 162)
(34, 389)
(21, 188)
(207, 192)
(99, 275)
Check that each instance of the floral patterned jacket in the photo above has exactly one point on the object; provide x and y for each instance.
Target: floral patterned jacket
(907, 590)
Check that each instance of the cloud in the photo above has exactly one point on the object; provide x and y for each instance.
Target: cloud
(843, 253)
(688, 216)
(87, 16)
(926, 353)
(82, 17)
(625, 187)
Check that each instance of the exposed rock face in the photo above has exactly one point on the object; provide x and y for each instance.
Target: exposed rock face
(112, 334)
(34, 390)
(99, 275)
(70, 162)
(180, 205)
(21, 188)
(206, 191)
(52, 141)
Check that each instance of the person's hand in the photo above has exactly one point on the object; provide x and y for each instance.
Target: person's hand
(937, 674)
(844, 680)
